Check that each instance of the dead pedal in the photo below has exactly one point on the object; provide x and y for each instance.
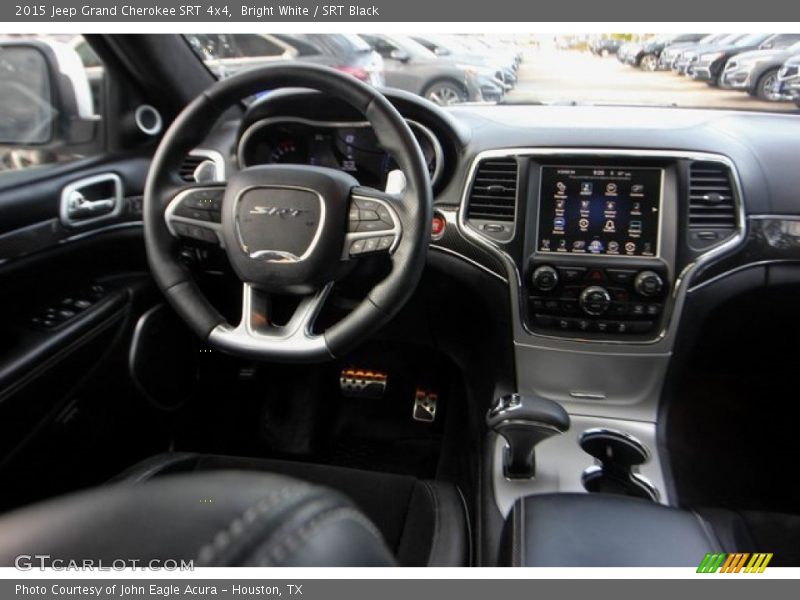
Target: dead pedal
(425, 403)
(363, 383)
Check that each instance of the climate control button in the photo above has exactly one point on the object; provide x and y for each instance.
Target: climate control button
(544, 278)
(648, 284)
(595, 300)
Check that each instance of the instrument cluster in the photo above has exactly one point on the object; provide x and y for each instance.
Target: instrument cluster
(350, 146)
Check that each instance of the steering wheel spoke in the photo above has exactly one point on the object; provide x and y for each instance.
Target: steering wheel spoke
(195, 213)
(373, 225)
(257, 333)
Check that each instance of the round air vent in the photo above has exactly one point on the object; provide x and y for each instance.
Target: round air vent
(148, 120)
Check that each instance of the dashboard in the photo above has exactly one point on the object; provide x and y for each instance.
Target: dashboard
(595, 239)
(599, 224)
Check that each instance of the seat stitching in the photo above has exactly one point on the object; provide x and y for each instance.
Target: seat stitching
(436, 524)
(514, 518)
(226, 536)
(522, 534)
(467, 525)
(297, 538)
(708, 530)
(752, 539)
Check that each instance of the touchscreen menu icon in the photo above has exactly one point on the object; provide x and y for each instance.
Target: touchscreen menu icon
(561, 188)
(596, 247)
(586, 188)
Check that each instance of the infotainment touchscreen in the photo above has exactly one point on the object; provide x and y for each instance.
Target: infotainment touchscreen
(609, 211)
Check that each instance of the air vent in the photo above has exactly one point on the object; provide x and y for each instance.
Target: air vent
(711, 200)
(189, 166)
(493, 196)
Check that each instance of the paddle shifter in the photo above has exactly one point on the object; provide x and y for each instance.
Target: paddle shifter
(524, 421)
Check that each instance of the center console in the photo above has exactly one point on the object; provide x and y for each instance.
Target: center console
(597, 269)
(599, 247)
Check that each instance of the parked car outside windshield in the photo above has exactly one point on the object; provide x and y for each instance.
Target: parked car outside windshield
(227, 54)
(519, 68)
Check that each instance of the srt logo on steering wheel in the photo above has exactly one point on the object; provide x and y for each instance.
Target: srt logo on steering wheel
(274, 211)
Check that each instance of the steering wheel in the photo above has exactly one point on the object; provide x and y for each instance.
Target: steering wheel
(288, 229)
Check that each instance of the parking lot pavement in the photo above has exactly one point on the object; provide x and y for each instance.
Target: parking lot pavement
(568, 75)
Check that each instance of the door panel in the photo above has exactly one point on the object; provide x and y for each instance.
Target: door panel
(30, 204)
(70, 296)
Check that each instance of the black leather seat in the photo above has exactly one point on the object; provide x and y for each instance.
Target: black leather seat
(229, 511)
(214, 519)
(603, 530)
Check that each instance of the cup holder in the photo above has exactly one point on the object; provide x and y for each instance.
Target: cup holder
(618, 453)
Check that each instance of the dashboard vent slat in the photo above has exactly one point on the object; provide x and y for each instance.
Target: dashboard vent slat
(493, 195)
(189, 166)
(711, 197)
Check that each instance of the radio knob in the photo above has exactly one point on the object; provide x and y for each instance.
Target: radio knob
(544, 278)
(595, 300)
(648, 283)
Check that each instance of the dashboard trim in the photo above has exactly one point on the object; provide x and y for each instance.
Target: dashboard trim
(754, 259)
(450, 217)
(262, 123)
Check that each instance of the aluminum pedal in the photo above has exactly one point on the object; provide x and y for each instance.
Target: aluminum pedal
(363, 383)
(425, 403)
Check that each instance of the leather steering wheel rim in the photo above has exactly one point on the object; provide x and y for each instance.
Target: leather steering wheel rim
(412, 208)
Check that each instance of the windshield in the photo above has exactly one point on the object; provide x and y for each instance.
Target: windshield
(359, 44)
(713, 38)
(731, 39)
(412, 47)
(450, 43)
(667, 70)
(752, 40)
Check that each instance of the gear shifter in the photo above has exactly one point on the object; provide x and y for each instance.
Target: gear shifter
(524, 421)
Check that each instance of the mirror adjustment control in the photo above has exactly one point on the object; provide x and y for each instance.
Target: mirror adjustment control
(544, 278)
(595, 300)
(648, 284)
